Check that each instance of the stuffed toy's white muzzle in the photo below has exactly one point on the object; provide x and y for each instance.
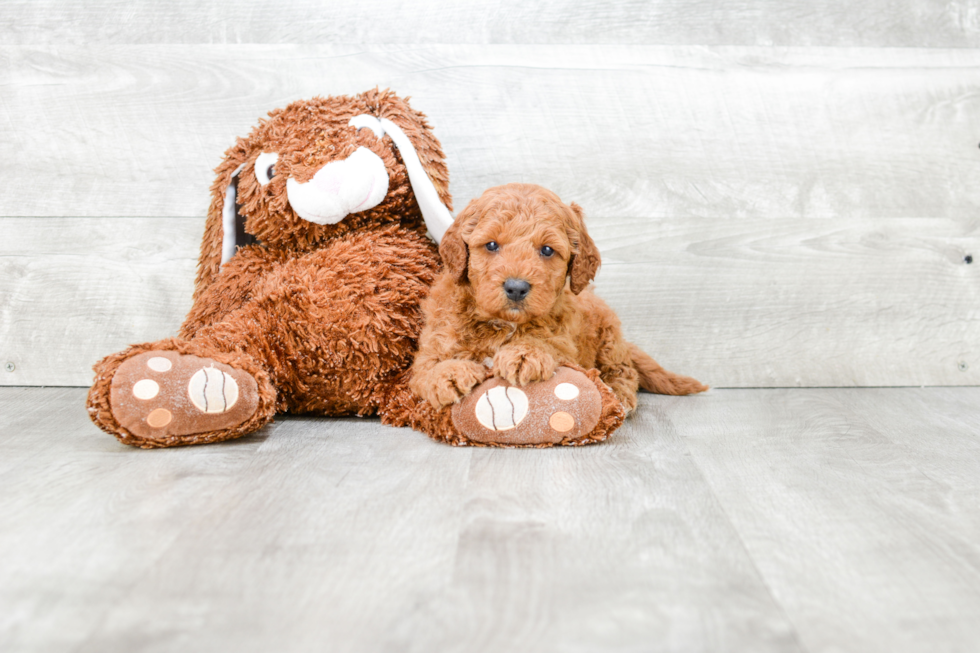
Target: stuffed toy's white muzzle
(355, 184)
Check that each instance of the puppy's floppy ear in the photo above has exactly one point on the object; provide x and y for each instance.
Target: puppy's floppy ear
(586, 260)
(453, 250)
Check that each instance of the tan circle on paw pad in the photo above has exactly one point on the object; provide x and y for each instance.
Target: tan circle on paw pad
(159, 364)
(501, 409)
(562, 422)
(566, 391)
(159, 418)
(212, 391)
(146, 389)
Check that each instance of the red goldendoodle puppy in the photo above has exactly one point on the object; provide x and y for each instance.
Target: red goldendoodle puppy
(514, 302)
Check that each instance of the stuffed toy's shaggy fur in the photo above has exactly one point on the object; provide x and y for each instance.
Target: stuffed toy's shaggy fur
(514, 303)
(312, 269)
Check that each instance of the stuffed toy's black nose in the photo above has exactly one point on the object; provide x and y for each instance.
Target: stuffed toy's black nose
(516, 289)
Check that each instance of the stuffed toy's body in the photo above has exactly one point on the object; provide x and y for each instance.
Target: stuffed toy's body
(313, 265)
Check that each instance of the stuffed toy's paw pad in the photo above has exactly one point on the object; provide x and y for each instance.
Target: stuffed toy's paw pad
(158, 394)
(561, 409)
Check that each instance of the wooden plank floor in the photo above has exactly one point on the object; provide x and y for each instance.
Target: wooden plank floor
(742, 520)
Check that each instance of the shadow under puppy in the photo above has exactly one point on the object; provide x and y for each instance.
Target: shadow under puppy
(516, 347)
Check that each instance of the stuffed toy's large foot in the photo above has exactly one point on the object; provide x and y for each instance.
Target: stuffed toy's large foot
(162, 397)
(159, 394)
(571, 408)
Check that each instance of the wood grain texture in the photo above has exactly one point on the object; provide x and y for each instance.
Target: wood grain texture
(636, 131)
(745, 303)
(769, 303)
(268, 540)
(350, 536)
(75, 290)
(571, 552)
(740, 520)
(866, 529)
(676, 22)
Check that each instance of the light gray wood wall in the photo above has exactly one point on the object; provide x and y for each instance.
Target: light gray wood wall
(911, 23)
(785, 193)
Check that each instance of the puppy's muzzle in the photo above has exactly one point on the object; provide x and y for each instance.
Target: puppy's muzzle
(516, 289)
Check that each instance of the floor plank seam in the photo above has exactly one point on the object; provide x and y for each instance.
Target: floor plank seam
(741, 540)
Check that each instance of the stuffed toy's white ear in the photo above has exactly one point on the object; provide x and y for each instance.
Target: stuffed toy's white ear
(229, 218)
(369, 121)
(437, 217)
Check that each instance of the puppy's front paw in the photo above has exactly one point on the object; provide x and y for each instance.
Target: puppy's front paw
(523, 365)
(450, 380)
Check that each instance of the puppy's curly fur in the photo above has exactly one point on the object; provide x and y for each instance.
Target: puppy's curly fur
(525, 233)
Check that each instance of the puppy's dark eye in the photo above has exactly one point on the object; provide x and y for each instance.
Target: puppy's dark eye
(547, 251)
(270, 173)
(492, 246)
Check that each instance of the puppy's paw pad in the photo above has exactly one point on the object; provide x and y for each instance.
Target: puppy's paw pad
(561, 409)
(160, 394)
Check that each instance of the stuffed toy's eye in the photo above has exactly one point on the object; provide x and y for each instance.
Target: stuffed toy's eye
(547, 251)
(492, 246)
(265, 167)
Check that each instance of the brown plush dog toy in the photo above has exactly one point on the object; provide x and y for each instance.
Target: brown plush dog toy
(312, 268)
(514, 305)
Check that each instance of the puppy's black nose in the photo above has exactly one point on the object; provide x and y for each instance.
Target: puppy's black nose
(516, 289)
